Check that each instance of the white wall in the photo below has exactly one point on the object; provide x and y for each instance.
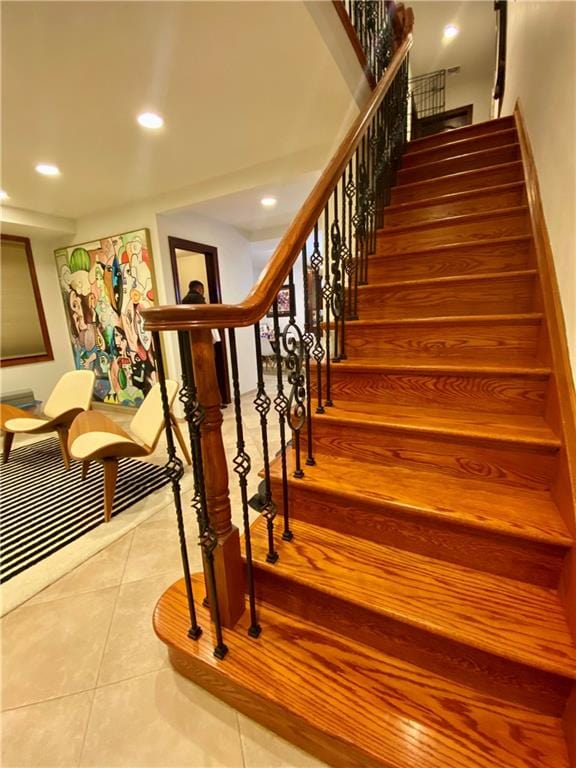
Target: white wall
(461, 91)
(541, 65)
(41, 377)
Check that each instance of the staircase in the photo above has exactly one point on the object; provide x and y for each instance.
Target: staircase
(414, 620)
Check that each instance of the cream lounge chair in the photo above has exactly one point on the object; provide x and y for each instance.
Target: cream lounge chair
(95, 437)
(69, 398)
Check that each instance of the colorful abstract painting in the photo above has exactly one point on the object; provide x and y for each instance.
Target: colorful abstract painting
(105, 285)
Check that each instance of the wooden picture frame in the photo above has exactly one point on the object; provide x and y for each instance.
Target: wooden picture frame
(46, 354)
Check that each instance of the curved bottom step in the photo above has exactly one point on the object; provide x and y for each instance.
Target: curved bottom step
(350, 705)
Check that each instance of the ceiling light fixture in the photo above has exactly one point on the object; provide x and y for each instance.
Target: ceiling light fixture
(451, 31)
(4, 195)
(46, 169)
(268, 202)
(150, 120)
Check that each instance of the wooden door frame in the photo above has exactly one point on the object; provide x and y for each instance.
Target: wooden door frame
(214, 293)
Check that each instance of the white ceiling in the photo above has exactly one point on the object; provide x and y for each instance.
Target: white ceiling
(238, 83)
(475, 47)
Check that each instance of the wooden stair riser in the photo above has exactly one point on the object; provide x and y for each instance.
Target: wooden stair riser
(461, 182)
(491, 296)
(538, 690)
(460, 134)
(476, 257)
(469, 162)
(514, 465)
(489, 393)
(490, 200)
(457, 148)
(489, 226)
(524, 560)
(497, 341)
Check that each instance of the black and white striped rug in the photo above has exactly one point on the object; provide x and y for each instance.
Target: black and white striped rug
(44, 507)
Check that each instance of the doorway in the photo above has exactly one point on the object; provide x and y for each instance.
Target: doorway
(196, 261)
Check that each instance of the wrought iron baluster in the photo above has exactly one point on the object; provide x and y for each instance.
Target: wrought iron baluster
(263, 501)
(308, 340)
(175, 470)
(316, 260)
(242, 467)
(281, 408)
(195, 415)
(336, 277)
(327, 295)
(344, 265)
(293, 344)
(349, 190)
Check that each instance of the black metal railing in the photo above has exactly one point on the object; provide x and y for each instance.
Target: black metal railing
(311, 329)
(372, 21)
(428, 94)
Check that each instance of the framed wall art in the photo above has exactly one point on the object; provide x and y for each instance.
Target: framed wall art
(283, 298)
(105, 285)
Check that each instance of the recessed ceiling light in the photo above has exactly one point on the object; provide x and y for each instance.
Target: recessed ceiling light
(4, 195)
(268, 202)
(46, 169)
(450, 31)
(150, 120)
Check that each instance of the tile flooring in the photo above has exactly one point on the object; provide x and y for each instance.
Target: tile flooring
(85, 682)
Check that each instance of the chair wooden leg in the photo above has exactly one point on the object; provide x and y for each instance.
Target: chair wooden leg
(63, 438)
(180, 438)
(85, 468)
(8, 440)
(110, 475)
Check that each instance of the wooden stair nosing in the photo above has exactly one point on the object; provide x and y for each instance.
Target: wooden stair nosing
(487, 168)
(447, 221)
(452, 197)
(527, 238)
(439, 165)
(461, 144)
(533, 318)
(493, 614)
(449, 279)
(457, 134)
(450, 368)
(311, 698)
(474, 433)
(552, 532)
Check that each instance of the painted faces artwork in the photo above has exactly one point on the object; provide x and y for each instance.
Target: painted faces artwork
(105, 285)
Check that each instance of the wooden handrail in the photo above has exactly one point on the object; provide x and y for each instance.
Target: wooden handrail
(273, 277)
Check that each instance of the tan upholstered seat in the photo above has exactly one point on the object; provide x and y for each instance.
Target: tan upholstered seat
(95, 437)
(70, 397)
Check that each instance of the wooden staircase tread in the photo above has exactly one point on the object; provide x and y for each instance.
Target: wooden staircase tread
(431, 249)
(351, 704)
(458, 134)
(452, 197)
(505, 133)
(519, 513)
(528, 430)
(464, 218)
(457, 366)
(450, 279)
(530, 317)
(506, 618)
(437, 166)
(460, 174)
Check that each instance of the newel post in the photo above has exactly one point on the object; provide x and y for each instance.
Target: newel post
(228, 566)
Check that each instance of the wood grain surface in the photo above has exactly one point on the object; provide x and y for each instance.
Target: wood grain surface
(353, 706)
(461, 147)
(460, 134)
(464, 162)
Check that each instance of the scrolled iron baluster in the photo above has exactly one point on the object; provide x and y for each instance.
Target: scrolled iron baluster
(316, 261)
(337, 293)
(174, 469)
(242, 466)
(309, 340)
(195, 415)
(350, 259)
(281, 407)
(263, 501)
(293, 344)
(326, 291)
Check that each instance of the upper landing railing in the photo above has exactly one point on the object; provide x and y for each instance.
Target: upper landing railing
(333, 236)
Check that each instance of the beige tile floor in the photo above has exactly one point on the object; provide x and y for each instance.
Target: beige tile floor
(85, 682)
